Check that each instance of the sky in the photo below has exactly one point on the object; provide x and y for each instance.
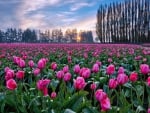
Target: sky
(50, 14)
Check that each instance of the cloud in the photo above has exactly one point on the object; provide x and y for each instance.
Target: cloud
(81, 5)
(34, 21)
(85, 24)
(68, 12)
(49, 14)
(68, 20)
(37, 4)
(65, 14)
(60, 15)
(32, 17)
(29, 16)
(69, 1)
(9, 1)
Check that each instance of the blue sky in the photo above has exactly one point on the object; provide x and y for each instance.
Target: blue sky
(50, 14)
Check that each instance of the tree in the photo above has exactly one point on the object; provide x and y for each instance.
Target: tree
(19, 35)
(1, 36)
(57, 35)
(89, 37)
(124, 22)
(29, 36)
(86, 37)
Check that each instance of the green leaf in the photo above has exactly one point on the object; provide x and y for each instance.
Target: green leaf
(139, 89)
(128, 85)
(75, 100)
(2, 107)
(103, 80)
(106, 88)
(33, 101)
(54, 84)
(69, 111)
(90, 110)
(2, 96)
(140, 109)
(127, 93)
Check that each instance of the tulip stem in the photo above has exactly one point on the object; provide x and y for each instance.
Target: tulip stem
(16, 97)
(92, 94)
(131, 98)
(43, 103)
(143, 92)
(117, 96)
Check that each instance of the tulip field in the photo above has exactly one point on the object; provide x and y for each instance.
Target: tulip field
(74, 78)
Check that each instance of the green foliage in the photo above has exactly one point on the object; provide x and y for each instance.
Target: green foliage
(131, 97)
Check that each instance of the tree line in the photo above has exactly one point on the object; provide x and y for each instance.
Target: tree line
(126, 22)
(18, 35)
(55, 36)
(68, 36)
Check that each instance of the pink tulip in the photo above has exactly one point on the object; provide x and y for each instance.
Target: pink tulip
(110, 60)
(100, 95)
(85, 55)
(122, 79)
(105, 104)
(42, 86)
(118, 55)
(148, 81)
(76, 69)
(16, 59)
(93, 86)
(9, 74)
(113, 83)
(53, 66)
(121, 70)
(21, 63)
(20, 74)
(31, 63)
(69, 52)
(67, 77)
(79, 83)
(41, 63)
(95, 68)
(99, 63)
(85, 72)
(110, 54)
(144, 68)
(11, 84)
(24, 57)
(66, 69)
(138, 57)
(36, 71)
(69, 59)
(133, 76)
(131, 51)
(144, 59)
(110, 69)
(60, 74)
(6, 69)
(53, 95)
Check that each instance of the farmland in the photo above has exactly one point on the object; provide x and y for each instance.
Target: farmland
(82, 78)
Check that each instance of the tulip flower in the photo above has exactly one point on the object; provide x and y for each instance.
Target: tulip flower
(79, 83)
(11, 84)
